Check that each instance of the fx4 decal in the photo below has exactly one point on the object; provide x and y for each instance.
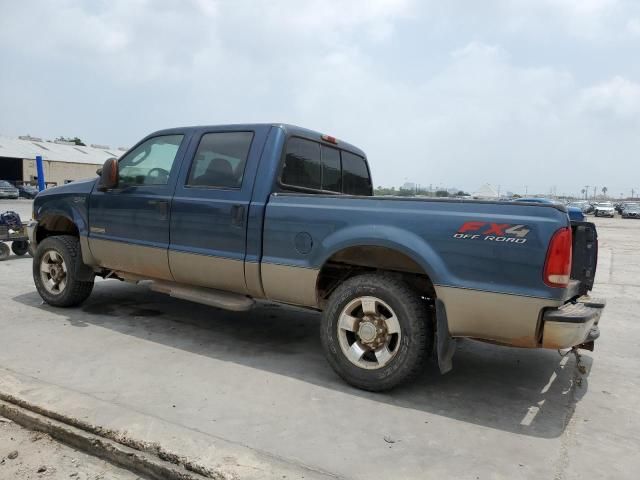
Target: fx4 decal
(493, 232)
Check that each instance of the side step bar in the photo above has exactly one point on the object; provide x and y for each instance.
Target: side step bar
(206, 296)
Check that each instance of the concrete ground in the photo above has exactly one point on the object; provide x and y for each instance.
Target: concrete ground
(251, 394)
(26, 455)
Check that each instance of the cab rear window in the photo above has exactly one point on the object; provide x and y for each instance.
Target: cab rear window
(302, 164)
(313, 167)
(355, 175)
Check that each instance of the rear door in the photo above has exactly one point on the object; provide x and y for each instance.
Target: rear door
(129, 225)
(210, 208)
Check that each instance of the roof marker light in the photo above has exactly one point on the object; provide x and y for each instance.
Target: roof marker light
(330, 139)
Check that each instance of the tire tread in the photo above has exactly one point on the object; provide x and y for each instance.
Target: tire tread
(421, 340)
(77, 291)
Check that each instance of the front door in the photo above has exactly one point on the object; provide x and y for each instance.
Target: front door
(210, 208)
(129, 225)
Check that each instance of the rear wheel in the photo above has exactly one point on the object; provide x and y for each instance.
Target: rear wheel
(376, 332)
(55, 272)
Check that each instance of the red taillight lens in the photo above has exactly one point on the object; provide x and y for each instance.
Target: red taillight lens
(557, 267)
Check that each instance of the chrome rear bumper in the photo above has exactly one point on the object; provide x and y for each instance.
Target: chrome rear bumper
(572, 324)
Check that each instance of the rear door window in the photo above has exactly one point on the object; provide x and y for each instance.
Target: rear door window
(355, 175)
(220, 160)
(302, 167)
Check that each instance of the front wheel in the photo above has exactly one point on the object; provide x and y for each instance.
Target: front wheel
(376, 332)
(55, 272)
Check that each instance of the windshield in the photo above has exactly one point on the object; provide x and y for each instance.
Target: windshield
(604, 204)
(4, 183)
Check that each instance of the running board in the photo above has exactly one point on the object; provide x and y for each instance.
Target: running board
(206, 296)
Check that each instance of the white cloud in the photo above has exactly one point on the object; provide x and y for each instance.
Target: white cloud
(618, 96)
(633, 26)
(436, 92)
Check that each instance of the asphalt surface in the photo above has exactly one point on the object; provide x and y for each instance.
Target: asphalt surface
(251, 392)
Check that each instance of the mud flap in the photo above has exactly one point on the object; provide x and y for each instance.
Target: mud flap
(445, 344)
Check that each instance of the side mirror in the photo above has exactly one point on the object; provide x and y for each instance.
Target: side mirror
(108, 175)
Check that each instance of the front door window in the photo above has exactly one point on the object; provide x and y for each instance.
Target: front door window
(151, 162)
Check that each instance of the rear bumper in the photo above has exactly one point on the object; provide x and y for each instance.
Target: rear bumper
(572, 324)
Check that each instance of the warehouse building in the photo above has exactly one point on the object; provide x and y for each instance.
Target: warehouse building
(63, 162)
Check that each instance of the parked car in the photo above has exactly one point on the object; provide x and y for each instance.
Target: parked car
(631, 211)
(575, 213)
(584, 206)
(223, 215)
(7, 190)
(604, 209)
(27, 191)
(625, 205)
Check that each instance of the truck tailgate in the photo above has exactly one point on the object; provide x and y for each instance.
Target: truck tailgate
(585, 254)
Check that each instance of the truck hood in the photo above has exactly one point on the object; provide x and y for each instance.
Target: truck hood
(79, 186)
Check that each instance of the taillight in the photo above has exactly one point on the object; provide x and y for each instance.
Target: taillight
(557, 267)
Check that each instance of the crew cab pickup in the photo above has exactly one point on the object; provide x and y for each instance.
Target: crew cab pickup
(227, 215)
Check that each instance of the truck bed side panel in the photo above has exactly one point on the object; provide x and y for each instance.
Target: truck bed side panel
(302, 232)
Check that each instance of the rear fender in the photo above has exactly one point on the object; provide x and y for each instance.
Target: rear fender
(386, 236)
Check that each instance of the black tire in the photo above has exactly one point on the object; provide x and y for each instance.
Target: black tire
(5, 251)
(413, 348)
(20, 247)
(76, 291)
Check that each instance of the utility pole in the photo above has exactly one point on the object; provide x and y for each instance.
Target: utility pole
(526, 190)
(586, 192)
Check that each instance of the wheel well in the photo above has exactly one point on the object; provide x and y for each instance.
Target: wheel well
(55, 225)
(366, 258)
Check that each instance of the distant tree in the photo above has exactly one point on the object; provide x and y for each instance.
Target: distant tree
(385, 191)
(406, 192)
(461, 193)
(442, 193)
(583, 191)
(75, 140)
(516, 195)
(604, 191)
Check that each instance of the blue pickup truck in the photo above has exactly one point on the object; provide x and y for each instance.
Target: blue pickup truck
(227, 215)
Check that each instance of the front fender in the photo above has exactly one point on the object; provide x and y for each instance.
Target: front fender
(73, 209)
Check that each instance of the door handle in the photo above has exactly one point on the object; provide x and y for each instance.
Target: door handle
(162, 206)
(237, 215)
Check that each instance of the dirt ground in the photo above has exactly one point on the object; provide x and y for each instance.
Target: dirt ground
(40, 457)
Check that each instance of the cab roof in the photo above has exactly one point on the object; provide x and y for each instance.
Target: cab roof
(290, 130)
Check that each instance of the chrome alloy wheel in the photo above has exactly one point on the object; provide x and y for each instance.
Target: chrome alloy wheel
(53, 272)
(369, 332)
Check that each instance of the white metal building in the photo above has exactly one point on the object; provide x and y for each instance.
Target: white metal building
(63, 161)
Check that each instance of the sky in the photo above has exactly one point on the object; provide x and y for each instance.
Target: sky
(534, 96)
